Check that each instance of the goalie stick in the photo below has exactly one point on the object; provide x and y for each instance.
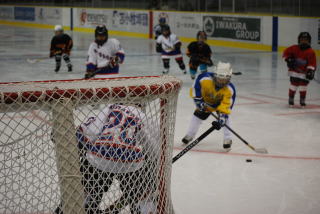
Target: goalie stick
(257, 150)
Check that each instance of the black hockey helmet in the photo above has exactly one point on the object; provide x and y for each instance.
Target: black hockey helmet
(165, 28)
(101, 30)
(162, 20)
(304, 35)
(201, 33)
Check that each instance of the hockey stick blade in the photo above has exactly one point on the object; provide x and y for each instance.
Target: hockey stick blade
(261, 150)
(258, 150)
(32, 61)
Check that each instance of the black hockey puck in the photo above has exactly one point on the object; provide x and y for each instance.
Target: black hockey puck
(249, 160)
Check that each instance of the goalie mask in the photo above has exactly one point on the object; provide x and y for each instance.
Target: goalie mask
(222, 74)
(304, 40)
(101, 34)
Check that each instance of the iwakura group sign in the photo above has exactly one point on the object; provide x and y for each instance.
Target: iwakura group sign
(233, 27)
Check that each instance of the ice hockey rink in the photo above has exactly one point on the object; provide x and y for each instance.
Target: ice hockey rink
(206, 179)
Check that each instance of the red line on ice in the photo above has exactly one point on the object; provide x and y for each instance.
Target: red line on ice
(252, 155)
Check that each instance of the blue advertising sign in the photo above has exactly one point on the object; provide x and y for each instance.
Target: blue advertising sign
(24, 13)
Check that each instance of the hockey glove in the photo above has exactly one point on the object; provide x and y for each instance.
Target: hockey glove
(114, 61)
(310, 74)
(200, 103)
(216, 125)
(159, 48)
(177, 46)
(89, 74)
(291, 62)
(222, 119)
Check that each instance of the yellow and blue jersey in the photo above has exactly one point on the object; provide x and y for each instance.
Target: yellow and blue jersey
(218, 99)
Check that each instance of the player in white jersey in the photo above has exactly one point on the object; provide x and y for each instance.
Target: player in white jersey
(118, 143)
(104, 55)
(169, 45)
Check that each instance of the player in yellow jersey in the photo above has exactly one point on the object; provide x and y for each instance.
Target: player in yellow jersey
(213, 92)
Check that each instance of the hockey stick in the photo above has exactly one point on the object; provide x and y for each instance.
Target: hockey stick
(195, 142)
(32, 61)
(257, 150)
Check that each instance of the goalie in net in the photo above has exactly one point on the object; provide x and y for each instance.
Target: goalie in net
(118, 144)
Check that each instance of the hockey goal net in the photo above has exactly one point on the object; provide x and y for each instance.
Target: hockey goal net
(87, 146)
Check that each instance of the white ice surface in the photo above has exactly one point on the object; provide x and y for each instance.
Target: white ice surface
(286, 181)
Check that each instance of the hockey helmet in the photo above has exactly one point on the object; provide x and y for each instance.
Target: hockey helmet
(165, 30)
(58, 28)
(222, 74)
(201, 34)
(101, 34)
(304, 36)
(162, 20)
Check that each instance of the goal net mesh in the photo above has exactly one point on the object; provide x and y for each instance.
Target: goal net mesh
(87, 146)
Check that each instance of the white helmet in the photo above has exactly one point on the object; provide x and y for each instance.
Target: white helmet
(58, 28)
(222, 74)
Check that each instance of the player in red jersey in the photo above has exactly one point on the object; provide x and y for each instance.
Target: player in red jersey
(302, 63)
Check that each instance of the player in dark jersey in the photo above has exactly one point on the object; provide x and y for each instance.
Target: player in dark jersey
(302, 63)
(158, 28)
(61, 45)
(200, 54)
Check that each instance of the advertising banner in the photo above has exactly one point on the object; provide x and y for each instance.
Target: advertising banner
(47, 15)
(135, 21)
(92, 18)
(238, 28)
(6, 13)
(117, 20)
(24, 13)
(188, 24)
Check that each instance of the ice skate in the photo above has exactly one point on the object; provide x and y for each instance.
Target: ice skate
(303, 102)
(227, 145)
(69, 68)
(165, 71)
(291, 102)
(57, 69)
